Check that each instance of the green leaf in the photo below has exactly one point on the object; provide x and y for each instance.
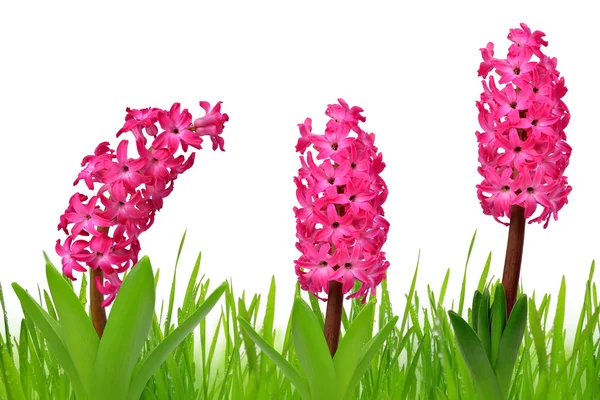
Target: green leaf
(189, 297)
(172, 293)
(444, 287)
(77, 331)
(9, 375)
(348, 352)
(368, 352)
(268, 326)
(23, 352)
(476, 358)
(6, 327)
(539, 341)
(51, 331)
(498, 321)
(557, 351)
(249, 346)
(35, 374)
(510, 343)
(464, 281)
(483, 323)
(248, 343)
(154, 359)
(3, 390)
(314, 303)
(83, 291)
(582, 338)
(50, 306)
(410, 381)
(475, 310)
(286, 368)
(313, 353)
(126, 330)
(409, 297)
(484, 273)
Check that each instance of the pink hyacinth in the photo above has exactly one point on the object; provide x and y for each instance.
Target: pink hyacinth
(340, 224)
(522, 148)
(103, 229)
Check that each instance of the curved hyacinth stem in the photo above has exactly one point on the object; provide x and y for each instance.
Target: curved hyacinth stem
(514, 255)
(333, 316)
(97, 312)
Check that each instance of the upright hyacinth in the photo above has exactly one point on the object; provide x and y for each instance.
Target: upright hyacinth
(340, 224)
(522, 147)
(103, 229)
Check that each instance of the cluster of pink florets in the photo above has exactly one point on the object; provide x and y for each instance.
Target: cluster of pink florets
(340, 224)
(103, 230)
(522, 148)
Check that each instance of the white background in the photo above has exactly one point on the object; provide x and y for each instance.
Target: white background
(68, 70)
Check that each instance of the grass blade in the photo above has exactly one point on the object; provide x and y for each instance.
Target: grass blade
(367, 353)
(475, 311)
(50, 329)
(557, 351)
(152, 361)
(284, 365)
(484, 273)
(409, 297)
(314, 303)
(464, 281)
(6, 327)
(172, 292)
(539, 342)
(268, 326)
(9, 375)
(411, 381)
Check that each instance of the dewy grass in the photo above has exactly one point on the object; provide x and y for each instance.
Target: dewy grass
(419, 360)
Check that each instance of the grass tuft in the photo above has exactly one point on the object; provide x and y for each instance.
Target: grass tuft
(420, 358)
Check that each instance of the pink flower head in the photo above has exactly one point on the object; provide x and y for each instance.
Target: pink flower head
(522, 148)
(131, 191)
(340, 223)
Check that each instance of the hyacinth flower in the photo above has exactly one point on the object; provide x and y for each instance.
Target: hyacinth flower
(522, 145)
(341, 226)
(103, 229)
(111, 358)
(523, 155)
(340, 230)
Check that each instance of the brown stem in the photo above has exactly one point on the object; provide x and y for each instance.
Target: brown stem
(333, 316)
(514, 255)
(96, 298)
(335, 300)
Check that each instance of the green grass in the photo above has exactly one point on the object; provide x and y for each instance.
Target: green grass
(420, 359)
